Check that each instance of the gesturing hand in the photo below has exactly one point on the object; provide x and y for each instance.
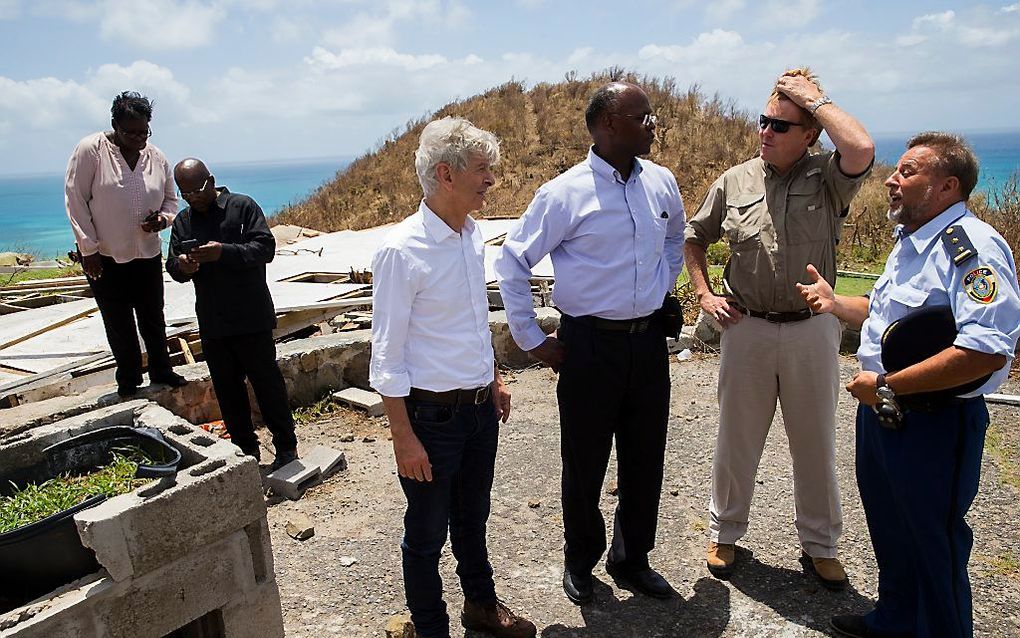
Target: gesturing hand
(209, 251)
(818, 294)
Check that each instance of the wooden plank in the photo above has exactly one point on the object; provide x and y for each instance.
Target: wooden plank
(20, 383)
(46, 283)
(1003, 399)
(47, 328)
(186, 350)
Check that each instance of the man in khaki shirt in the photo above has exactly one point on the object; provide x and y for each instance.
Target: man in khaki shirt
(779, 212)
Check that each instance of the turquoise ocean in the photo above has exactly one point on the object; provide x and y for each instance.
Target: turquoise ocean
(32, 217)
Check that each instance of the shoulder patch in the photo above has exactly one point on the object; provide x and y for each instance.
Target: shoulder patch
(980, 284)
(961, 248)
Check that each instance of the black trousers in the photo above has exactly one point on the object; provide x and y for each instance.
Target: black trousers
(124, 291)
(612, 384)
(230, 360)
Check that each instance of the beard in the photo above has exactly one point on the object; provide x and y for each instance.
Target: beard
(910, 214)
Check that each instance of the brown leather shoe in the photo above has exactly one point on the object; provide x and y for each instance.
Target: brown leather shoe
(496, 619)
(721, 557)
(829, 571)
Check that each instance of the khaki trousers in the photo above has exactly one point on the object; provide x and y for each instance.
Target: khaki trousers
(796, 363)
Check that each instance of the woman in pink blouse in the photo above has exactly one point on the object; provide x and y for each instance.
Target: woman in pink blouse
(119, 194)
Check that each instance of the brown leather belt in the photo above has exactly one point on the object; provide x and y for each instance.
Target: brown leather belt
(641, 324)
(777, 317)
(474, 396)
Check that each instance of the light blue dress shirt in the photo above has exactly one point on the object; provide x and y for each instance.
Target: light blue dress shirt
(920, 272)
(616, 246)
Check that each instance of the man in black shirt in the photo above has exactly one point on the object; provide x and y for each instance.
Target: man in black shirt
(222, 243)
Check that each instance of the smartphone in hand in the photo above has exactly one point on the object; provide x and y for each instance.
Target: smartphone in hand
(189, 245)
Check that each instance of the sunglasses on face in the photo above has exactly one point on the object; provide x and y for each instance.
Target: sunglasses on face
(197, 191)
(778, 126)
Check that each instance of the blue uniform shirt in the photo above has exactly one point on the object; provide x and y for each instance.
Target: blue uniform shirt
(982, 292)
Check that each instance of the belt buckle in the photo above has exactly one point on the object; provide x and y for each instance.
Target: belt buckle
(638, 326)
(481, 394)
(774, 317)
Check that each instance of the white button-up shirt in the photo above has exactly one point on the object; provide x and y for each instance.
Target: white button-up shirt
(616, 246)
(430, 312)
(920, 272)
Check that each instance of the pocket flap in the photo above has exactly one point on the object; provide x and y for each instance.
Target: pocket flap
(742, 200)
(908, 296)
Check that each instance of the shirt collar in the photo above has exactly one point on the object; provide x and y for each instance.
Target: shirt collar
(221, 196)
(770, 171)
(923, 236)
(437, 228)
(605, 169)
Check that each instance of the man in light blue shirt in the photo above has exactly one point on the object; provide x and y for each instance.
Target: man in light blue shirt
(614, 228)
(920, 433)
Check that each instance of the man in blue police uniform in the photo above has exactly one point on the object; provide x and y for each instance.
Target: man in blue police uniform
(918, 471)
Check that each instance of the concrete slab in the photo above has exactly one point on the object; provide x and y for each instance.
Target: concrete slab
(327, 459)
(370, 402)
(294, 478)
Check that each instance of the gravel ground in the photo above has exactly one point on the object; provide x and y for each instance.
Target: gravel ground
(357, 516)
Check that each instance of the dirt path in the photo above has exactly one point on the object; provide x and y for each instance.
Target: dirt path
(358, 515)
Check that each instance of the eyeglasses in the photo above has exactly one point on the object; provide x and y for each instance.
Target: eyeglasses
(778, 126)
(647, 119)
(138, 135)
(197, 191)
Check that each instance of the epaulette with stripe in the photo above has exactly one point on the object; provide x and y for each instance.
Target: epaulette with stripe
(961, 248)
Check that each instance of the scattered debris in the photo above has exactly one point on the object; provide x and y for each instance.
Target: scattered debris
(685, 355)
(368, 439)
(347, 438)
(294, 478)
(1004, 399)
(347, 561)
(534, 503)
(299, 526)
(327, 459)
(400, 626)
(360, 399)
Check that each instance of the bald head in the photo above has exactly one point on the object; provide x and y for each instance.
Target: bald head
(605, 99)
(190, 170)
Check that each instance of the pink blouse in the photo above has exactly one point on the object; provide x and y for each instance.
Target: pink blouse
(107, 201)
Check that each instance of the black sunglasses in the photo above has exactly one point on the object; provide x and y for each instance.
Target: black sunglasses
(778, 126)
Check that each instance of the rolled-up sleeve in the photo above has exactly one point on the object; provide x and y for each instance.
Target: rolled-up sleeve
(539, 230)
(706, 226)
(394, 285)
(81, 170)
(987, 326)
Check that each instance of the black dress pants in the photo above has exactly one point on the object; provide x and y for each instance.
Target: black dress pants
(612, 384)
(230, 360)
(124, 291)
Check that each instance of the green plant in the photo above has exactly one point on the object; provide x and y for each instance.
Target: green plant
(33, 502)
(718, 253)
(322, 409)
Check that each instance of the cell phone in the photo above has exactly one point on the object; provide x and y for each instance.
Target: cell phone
(189, 245)
(151, 217)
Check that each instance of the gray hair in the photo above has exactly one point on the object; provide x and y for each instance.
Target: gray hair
(452, 141)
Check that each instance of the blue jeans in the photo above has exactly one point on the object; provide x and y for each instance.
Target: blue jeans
(461, 444)
(916, 485)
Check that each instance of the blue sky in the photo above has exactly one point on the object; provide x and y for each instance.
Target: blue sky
(250, 80)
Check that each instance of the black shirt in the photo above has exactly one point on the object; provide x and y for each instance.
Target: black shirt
(231, 294)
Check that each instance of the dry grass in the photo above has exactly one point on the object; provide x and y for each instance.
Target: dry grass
(543, 134)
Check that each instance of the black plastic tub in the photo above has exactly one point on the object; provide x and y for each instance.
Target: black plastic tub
(38, 558)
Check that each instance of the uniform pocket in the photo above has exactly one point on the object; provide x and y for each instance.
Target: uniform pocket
(743, 219)
(907, 296)
(807, 217)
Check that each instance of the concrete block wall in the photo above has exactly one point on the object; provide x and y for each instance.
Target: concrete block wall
(171, 551)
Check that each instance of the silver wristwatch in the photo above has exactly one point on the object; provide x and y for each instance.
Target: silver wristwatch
(814, 106)
(883, 390)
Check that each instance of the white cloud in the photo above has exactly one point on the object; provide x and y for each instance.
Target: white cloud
(791, 13)
(983, 32)
(161, 24)
(323, 59)
(1013, 8)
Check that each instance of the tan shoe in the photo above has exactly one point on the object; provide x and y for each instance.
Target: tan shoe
(828, 570)
(496, 619)
(721, 557)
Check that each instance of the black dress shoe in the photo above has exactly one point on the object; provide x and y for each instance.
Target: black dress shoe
(125, 391)
(170, 378)
(283, 457)
(577, 587)
(851, 625)
(644, 579)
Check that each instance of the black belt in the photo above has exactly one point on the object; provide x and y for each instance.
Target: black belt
(778, 317)
(641, 324)
(474, 396)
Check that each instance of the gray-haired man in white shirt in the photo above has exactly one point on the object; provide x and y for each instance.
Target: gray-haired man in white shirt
(433, 363)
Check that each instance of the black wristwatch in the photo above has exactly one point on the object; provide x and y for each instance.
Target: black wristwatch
(883, 390)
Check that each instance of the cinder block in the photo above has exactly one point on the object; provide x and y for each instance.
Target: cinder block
(294, 478)
(328, 460)
(370, 402)
(132, 535)
(257, 614)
